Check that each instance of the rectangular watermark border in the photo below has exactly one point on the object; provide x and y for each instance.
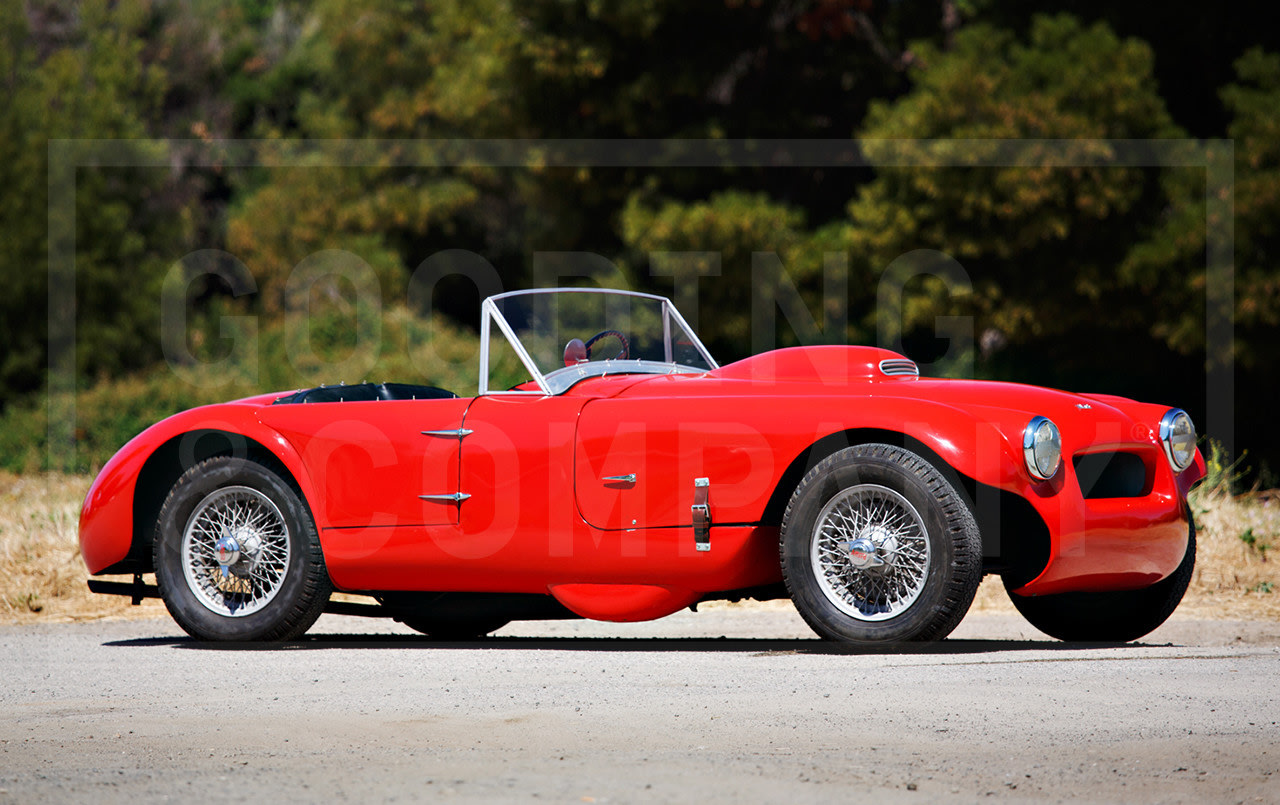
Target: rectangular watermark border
(1216, 157)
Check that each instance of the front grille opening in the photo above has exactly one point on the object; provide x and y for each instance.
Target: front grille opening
(1111, 475)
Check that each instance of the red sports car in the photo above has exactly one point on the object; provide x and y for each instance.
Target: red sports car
(632, 476)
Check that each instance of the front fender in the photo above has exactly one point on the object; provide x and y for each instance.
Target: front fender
(108, 531)
(979, 448)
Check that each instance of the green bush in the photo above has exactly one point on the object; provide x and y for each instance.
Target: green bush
(1223, 474)
(293, 352)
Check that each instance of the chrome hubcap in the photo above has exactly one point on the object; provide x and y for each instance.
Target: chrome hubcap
(862, 554)
(228, 550)
(870, 552)
(235, 551)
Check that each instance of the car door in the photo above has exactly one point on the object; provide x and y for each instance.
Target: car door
(639, 461)
(516, 483)
(378, 463)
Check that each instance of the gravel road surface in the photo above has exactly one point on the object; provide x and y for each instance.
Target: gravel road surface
(726, 705)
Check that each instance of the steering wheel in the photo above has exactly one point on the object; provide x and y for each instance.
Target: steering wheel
(622, 353)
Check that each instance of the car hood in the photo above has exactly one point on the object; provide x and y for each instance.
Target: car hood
(870, 371)
(1019, 397)
(1084, 420)
(824, 372)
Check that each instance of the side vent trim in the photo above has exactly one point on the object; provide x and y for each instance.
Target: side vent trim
(899, 367)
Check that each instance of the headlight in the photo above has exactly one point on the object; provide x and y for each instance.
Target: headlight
(1178, 436)
(1042, 448)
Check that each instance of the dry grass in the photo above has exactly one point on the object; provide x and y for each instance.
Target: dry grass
(41, 575)
(43, 579)
(1238, 556)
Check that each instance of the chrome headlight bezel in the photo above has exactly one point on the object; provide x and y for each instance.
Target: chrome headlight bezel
(1182, 454)
(1043, 456)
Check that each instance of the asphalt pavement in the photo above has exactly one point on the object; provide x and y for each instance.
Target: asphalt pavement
(725, 705)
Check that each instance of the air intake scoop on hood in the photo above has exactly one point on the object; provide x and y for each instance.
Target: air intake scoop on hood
(828, 364)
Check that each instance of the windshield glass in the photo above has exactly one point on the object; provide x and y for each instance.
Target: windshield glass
(564, 336)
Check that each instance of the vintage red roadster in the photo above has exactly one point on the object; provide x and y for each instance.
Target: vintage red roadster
(631, 476)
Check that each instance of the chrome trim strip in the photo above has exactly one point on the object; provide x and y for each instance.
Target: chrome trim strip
(456, 497)
(530, 291)
(489, 311)
(1166, 434)
(899, 367)
(668, 350)
(700, 512)
(483, 380)
(561, 380)
(1029, 447)
(492, 309)
(697, 342)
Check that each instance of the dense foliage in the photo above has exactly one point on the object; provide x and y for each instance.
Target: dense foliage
(1064, 260)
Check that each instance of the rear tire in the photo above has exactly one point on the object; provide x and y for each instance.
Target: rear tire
(1110, 617)
(238, 511)
(878, 547)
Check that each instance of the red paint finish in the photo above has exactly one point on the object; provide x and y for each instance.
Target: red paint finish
(549, 506)
(106, 519)
(1116, 543)
(373, 460)
(622, 602)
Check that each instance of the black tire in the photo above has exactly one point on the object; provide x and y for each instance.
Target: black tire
(1111, 617)
(454, 629)
(931, 548)
(279, 586)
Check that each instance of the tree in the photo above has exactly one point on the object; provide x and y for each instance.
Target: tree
(549, 70)
(1039, 243)
(79, 75)
(1039, 229)
(1253, 101)
(1176, 255)
(731, 249)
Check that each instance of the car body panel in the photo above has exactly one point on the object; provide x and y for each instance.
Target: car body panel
(107, 525)
(533, 493)
(375, 460)
(518, 530)
(623, 602)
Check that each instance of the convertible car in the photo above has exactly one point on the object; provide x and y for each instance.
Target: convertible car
(631, 476)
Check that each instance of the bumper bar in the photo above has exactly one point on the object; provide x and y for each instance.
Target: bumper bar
(138, 590)
(135, 590)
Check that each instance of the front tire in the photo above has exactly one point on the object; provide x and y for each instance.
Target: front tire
(877, 546)
(1110, 617)
(237, 556)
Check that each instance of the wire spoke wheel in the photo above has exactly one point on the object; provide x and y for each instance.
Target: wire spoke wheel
(235, 551)
(870, 552)
(877, 546)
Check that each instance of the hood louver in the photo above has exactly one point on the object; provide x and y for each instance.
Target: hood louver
(900, 367)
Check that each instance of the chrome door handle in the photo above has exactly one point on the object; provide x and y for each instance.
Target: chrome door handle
(629, 478)
(456, 433)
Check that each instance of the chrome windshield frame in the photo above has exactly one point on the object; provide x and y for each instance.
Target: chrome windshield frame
(561, 380)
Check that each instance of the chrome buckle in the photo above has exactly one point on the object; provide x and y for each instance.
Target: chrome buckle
(701, 514)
